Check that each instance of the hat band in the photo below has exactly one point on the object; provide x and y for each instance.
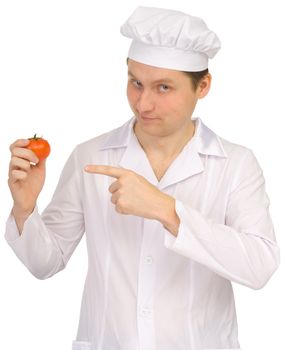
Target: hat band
(167, 57)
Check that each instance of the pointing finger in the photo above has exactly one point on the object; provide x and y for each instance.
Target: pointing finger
(105, 170)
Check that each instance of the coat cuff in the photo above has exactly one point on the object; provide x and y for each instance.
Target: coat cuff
(189, 220)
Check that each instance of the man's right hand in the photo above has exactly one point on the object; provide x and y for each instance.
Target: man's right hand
(26, 179)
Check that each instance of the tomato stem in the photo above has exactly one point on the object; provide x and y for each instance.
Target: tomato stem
(35, 137)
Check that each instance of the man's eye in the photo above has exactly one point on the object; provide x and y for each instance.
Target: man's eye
(164, 88)
(137, 83)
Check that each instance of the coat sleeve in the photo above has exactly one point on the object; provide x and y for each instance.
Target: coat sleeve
(48, 240)
(243, 249)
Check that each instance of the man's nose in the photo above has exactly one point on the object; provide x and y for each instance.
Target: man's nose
(145, 102)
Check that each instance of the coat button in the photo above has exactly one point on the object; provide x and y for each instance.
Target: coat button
(146, 312)
(149, 260)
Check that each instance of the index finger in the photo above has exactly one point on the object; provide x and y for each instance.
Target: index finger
(19, 143)
(105, 170)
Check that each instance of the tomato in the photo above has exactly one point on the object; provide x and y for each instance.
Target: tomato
(39, 146)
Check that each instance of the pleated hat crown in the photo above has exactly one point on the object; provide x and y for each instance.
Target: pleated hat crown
(170, 39)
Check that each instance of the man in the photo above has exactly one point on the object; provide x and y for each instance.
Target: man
(172, 212)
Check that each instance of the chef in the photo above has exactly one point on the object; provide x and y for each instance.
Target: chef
(173, 213)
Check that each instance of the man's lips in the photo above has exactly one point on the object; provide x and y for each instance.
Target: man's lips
(148, 118)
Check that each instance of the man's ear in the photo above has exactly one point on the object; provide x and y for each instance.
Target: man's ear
(204, 86)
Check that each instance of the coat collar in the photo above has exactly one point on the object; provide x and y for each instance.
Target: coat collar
(188, 163)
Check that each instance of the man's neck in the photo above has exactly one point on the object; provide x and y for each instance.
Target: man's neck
(168, 146)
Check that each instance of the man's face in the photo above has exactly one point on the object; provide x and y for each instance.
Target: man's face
(162, 100)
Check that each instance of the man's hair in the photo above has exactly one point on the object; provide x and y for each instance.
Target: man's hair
(196, 77)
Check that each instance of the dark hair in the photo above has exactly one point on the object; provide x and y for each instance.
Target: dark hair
(196, 77)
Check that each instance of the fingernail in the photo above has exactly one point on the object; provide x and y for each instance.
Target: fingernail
(87, 168)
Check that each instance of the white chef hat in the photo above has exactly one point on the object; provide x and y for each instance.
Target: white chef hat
(170, 39)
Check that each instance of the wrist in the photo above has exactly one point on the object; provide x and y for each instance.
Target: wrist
(20, 217)
(22, 213)
(168, 215)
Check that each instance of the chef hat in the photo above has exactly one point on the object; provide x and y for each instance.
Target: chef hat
(170, 39)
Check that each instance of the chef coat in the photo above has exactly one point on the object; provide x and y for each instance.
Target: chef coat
(145, 288)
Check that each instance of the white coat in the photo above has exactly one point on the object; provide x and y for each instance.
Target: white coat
(145, 288)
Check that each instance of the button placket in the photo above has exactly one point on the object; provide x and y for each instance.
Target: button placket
(146, 288)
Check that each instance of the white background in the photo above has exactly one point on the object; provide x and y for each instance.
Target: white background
(63, 75)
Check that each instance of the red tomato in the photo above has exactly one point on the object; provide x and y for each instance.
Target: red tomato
(39, 146)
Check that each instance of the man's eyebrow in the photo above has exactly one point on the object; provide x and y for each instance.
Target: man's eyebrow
(159, 81)
(131, 74)
(163, 80)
